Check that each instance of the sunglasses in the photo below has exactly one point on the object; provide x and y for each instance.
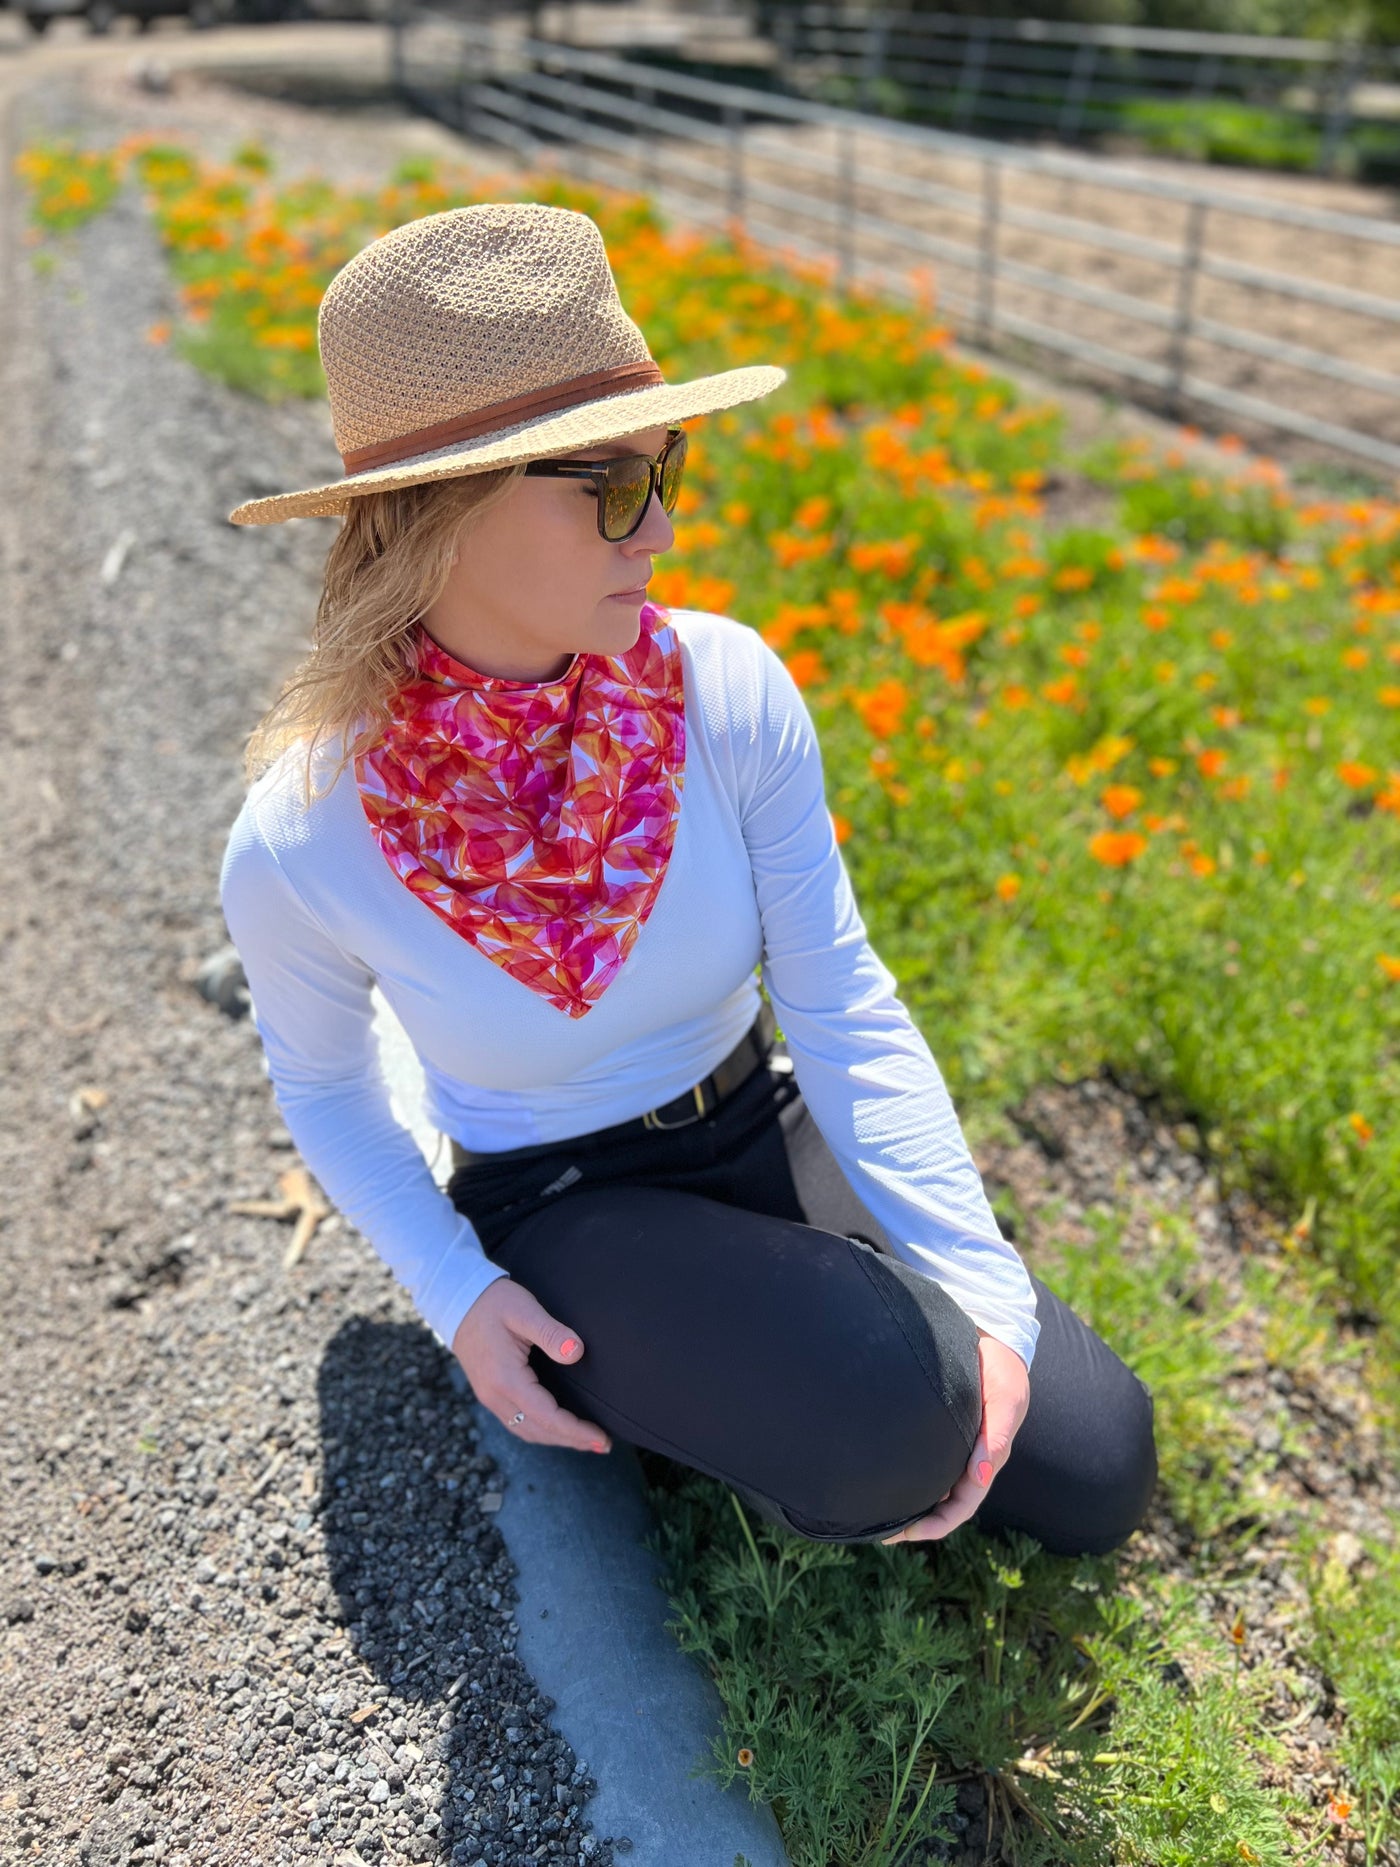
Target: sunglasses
(624, 486)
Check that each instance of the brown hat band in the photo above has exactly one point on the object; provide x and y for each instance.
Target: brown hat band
(501, 414)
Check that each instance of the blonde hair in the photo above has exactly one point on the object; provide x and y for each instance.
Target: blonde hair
(388, 563)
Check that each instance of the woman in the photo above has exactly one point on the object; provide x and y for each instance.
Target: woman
(562, 828)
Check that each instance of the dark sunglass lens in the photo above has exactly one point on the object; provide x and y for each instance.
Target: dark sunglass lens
(671, 473)
(624, 498)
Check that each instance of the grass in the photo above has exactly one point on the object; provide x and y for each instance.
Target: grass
(1111, 1724)
(1120, 798)
(1356, 1640)
(1224, 130)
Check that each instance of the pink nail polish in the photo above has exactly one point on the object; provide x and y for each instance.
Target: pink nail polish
(568, 1347)
(984, 1472)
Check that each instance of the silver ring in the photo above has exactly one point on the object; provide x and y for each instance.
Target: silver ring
(517, 1419)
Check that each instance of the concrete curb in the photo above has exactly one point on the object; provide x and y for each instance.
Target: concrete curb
(636, 1709)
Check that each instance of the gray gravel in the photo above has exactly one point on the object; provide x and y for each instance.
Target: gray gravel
(254, 1606)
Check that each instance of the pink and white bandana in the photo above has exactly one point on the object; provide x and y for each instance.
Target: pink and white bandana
(537, 817)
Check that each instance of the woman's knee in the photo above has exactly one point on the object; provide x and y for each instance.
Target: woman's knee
(1085, 1492)
(904, 1442)
(1128, 1473)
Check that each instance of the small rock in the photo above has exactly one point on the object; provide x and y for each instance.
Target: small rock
(222, 980)
(1346, 1550)
(117, 554)
(149, 74)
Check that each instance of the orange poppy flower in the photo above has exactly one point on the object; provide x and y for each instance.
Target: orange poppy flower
(1116, 848)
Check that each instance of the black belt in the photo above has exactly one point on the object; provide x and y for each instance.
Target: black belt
(691, 1106)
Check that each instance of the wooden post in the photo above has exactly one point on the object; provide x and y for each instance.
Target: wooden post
(1339, 106)
(872, 66)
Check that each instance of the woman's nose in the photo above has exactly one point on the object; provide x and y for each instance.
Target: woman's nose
(656, 532)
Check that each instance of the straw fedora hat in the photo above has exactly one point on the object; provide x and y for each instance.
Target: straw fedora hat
(484, 337)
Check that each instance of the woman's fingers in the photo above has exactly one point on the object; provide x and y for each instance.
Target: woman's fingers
(492, 1344)
(1005, 1398)
(960, 1504)
(546, 1423)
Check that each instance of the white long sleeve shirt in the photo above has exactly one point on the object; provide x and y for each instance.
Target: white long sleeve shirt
(755, 880)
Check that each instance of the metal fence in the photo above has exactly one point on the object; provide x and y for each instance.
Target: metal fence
(1071, 80)
(1279, 320)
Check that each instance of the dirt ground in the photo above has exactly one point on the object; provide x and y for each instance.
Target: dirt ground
(253, 1604)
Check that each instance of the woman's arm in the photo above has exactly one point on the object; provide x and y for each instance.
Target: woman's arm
(865, 1070)
(311, 1003)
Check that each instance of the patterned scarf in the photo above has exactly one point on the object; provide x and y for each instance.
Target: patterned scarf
(536, 818)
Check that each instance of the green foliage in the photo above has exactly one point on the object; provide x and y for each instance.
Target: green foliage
(68, 185)
(1356, 1640)
(254, 157)
(1208, 1465)
(861, 1685)
(1223, 130)
(1182, 1779)
(1194, 508)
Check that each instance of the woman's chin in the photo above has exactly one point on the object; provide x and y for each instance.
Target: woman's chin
(621, 622)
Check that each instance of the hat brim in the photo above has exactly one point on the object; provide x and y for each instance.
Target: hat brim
(604, 420)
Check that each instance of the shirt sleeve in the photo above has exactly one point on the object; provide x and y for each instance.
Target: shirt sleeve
(312, 1008)
(864, 1069)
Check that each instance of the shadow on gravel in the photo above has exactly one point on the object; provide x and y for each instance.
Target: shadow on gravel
(422, 1578)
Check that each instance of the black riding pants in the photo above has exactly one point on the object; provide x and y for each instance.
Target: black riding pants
(741, 1312)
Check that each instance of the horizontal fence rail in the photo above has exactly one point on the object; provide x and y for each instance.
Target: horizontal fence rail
(1283, 319)
(1073, 80)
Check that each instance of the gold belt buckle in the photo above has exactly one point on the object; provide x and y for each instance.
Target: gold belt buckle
(649, 1120)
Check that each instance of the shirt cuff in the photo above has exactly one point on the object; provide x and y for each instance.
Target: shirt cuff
(462, 1273)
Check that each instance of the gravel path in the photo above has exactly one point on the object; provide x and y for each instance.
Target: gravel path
(253, 1603)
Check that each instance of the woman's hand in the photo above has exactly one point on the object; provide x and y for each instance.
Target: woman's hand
(1006, 1392)
(493, 1343)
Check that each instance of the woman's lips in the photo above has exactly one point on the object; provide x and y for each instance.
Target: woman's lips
(628, 596)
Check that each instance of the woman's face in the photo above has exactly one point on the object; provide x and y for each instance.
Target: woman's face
(533, 583)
